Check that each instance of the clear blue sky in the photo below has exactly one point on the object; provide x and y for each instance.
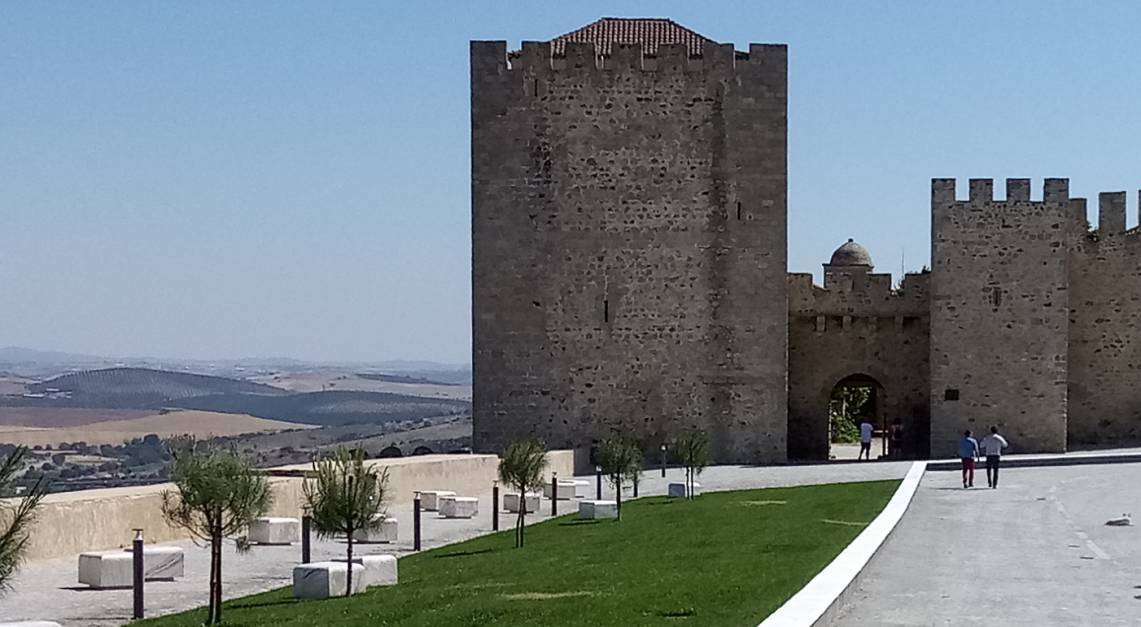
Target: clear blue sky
(204, 179)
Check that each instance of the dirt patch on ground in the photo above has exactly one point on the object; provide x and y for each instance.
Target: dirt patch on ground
(764, 502)
(545, 596)
(847, 523)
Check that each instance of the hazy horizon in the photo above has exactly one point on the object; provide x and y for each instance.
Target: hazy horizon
(208, 180)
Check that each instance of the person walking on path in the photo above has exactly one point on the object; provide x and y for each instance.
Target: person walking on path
(992, 446)
(866, 431)
(968, 453)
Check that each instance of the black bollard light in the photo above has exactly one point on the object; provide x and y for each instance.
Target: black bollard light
(495, 506)
(636, 484)
(663, 461)
(598, 482)
(306, 527)
(139, 572)
(554, 494)
(416, 522)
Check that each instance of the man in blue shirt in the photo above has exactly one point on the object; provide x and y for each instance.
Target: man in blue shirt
(968, 452)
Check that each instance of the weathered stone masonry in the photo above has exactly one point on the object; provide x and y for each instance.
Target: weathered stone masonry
(629, 245)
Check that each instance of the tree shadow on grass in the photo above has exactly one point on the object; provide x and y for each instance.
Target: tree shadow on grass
(578, 522)
(249, 605)
(463, 553)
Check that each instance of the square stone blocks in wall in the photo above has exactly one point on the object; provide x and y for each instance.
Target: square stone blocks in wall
(430, 499)
(384, 531)
(379, 570)
(267, 530)
(677, 490)
(115, 569)
(321, 580)
(511, 502)
(459, 506)
(594, 510)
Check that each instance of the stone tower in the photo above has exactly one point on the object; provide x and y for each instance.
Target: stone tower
(629, 239)
(1000, 312)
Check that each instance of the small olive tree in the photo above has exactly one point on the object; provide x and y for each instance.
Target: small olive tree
(218, 494)
(621, 460)
(346, 495)
(522, 467)
(693, 450)
(16, 517)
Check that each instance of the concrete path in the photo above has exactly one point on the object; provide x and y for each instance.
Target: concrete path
(47, 590)
(1035, 551)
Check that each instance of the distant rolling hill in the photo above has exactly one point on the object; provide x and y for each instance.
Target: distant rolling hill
(329, 408)
(136, 388)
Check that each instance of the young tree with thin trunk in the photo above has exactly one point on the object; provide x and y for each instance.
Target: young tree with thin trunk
(16, 517)
(346, 495)
(694, 452)
(522, 467)
(218, 494)
(620, 459)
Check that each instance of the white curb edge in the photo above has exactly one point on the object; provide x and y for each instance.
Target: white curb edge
(810, 605)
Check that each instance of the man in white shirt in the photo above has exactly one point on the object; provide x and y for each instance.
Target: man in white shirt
(992, 446)
(866, 431)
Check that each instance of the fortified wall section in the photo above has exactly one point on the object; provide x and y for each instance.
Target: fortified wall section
(857, 325)
(1000, 312)
(1105, 322)
(629, 237)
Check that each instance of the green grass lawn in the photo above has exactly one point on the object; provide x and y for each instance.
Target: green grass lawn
(726, 558)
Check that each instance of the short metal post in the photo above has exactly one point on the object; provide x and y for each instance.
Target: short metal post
(139, 572)
(306, 527)
(598, 482)
(416, 522)
(495, 506)
(554, 494)
(636, 485)
(663, 461)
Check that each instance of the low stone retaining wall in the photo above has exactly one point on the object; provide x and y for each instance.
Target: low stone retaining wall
(69, 523)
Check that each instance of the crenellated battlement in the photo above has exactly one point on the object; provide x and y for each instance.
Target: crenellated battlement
(981, 191)
(537, 58)
(866, 295)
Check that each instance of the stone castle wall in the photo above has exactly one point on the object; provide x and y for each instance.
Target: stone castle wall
(857, 325)
(1105, 318)
(629, 246)
(1000, 313)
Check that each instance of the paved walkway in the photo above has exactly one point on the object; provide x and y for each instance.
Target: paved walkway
(47, 590)
(1035, 551)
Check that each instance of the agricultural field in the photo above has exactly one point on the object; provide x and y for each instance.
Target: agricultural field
(335, 379)
(201, 424)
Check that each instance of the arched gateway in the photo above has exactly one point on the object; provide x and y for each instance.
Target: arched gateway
(857, 332)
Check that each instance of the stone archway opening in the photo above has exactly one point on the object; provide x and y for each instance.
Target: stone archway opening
(853, 400)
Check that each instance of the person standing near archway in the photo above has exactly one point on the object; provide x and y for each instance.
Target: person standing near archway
(867, 430)
(992, 446)
(968, 453)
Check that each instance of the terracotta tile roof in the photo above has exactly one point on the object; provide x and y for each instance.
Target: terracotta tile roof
(651, 33)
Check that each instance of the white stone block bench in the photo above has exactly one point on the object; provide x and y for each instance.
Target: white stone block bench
(511, 502)
(677, 490)
(385, 531)
(321, 580)
(566, 490)
(459, 506)
(115, 569)
(275, 531)
(595, 510)
(430, 499)
(582, 488)
(379, 570)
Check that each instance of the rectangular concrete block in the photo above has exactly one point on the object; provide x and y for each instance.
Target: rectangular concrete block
(582, 488)
(595, 510)
(379, 570)
(459, 506)
(267, 530)
(511, 502)
(566, 490)
(115, 569)
(430, 499)
(677, 489)
(321, 580)
(385, 531)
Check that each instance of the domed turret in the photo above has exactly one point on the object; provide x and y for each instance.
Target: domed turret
(851, 254)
